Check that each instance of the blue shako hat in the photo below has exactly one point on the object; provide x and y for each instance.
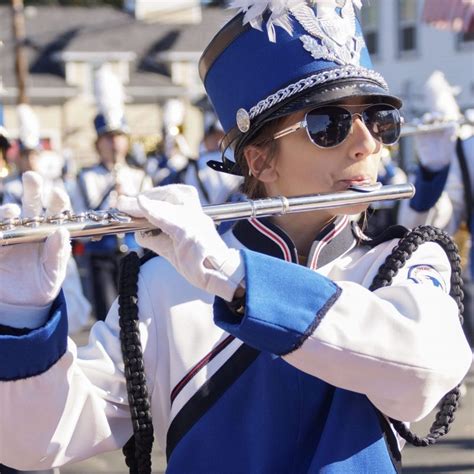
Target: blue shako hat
(276, 57)
(105, 124)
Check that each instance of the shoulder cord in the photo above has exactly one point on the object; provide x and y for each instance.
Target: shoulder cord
(138, 448)
(396, 260)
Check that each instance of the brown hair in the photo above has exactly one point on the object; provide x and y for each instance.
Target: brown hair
(252, 187)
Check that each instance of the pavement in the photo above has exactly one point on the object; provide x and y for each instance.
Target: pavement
(453, 454)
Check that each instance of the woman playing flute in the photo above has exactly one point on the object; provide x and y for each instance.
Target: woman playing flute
(264, 349)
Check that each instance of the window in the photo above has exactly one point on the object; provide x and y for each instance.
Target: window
(407, 32)
(466, 39)
(370, 26)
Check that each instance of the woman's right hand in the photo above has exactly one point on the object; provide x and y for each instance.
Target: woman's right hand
(31, 275)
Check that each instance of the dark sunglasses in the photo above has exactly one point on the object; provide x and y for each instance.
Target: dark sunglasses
(329, 126)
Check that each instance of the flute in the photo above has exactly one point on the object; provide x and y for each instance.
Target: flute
(96, 224)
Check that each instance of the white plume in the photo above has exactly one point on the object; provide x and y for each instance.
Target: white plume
(279, 12)
(29, 129)
(173, 113)
(109, 96)
(439, 96)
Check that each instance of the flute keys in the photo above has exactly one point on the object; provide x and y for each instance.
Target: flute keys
(10, 223)
(33, 221)
(60, 218)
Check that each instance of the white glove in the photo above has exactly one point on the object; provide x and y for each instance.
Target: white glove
(31, 275)
(436, 149)
(189, 239)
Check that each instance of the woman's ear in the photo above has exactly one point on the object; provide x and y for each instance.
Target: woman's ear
(260, 163)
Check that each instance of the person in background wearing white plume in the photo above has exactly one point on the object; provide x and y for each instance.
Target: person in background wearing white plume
(279, 347)
(48, 165)
(173, 152)
(212, 187)
(29, 151)
(98, 187)
(445, 180)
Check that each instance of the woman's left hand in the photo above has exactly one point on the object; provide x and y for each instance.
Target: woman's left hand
(189, 239)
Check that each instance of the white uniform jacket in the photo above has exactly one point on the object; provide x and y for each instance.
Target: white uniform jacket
(297, 385)
(96, 186)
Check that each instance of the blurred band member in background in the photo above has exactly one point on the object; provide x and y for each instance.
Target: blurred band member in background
(99, 186)
(445, 181)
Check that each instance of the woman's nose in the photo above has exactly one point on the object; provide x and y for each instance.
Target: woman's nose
(361, 141)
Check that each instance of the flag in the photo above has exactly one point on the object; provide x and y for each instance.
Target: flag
(454, 15)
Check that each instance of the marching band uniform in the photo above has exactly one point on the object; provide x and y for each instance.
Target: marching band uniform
(294, 377)
(99, 187)
(445, 182)
(186, 354)
(213, 187)
(173, 153)
(441, 195)
(48, 164)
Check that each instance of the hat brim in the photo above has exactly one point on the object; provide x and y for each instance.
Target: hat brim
(328, 93)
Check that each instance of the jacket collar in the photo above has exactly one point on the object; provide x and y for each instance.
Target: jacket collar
(263, 236)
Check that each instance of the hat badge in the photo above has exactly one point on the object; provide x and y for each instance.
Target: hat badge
(243, 120)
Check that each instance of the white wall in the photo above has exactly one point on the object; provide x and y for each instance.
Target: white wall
(165, 10)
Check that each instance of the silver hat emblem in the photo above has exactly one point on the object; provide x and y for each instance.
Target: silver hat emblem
(242, 118)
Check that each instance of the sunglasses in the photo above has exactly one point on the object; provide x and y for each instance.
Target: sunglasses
(329, 126)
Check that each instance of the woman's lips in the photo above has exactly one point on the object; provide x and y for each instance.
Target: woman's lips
(356, 181)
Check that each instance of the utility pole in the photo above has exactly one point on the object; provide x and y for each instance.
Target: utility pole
(19, 36)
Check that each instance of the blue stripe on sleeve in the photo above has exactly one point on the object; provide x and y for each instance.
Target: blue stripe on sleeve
(429, 186)
(35, 352)
(284, 304)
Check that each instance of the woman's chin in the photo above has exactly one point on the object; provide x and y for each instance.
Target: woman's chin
(353, 209)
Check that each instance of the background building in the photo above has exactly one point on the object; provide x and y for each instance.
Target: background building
(154, 46)
(406, 51)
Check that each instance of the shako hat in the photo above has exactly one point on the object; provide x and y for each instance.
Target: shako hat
(276, 57)
(110, 99)
(110, 124)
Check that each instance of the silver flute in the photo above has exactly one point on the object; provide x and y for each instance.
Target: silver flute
(96, 224)
(418, 127)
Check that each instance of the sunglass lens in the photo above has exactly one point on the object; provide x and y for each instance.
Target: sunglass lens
(384, 123)
(328, 126)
